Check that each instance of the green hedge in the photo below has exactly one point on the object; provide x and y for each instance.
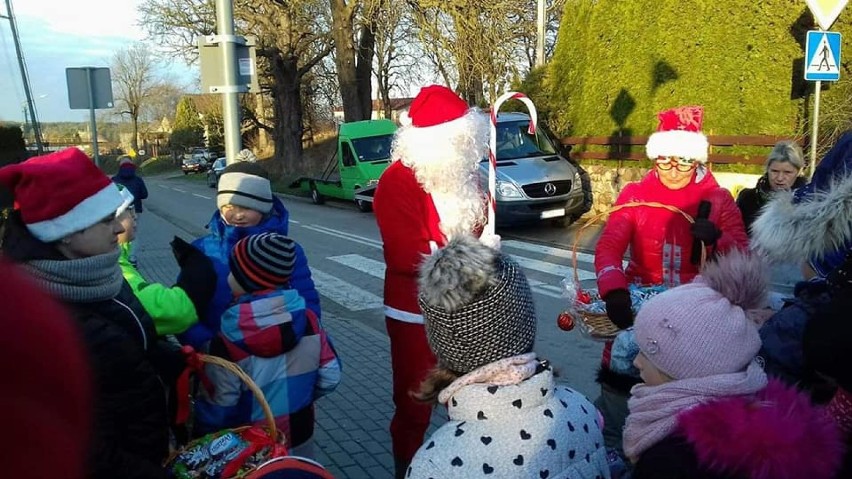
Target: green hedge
(617, 63)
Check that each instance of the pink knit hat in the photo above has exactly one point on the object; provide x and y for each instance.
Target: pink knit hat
(701, 329)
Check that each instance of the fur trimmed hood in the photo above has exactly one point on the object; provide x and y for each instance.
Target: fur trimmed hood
(777, 434)
(819, 224)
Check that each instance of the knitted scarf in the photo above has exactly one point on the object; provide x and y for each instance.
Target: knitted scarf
(85, 280)
(513, 370)
(654, 410)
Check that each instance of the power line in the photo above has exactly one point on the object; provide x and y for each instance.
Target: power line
(10, 15)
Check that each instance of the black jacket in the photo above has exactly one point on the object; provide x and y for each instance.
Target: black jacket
(130, 368)
(751, 200)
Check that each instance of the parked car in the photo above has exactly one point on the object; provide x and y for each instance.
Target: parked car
(215, 172)
(202, 154)
(534, 181)
(193, 165)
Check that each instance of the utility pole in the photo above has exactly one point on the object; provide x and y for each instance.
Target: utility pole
(24, 77)
(539, 44)
(230, 89)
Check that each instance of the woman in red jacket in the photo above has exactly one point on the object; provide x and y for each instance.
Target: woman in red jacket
(660, 240)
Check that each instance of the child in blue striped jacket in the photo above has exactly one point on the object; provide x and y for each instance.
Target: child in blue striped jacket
(276, 340)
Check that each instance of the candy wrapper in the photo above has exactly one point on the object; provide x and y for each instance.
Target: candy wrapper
(225, 454)
(208, 456)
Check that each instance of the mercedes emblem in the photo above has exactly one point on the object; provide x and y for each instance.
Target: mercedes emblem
(550, 189)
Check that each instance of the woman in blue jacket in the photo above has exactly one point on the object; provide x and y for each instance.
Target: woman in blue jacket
(246, 206)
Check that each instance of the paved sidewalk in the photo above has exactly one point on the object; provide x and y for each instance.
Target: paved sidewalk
(352, 438)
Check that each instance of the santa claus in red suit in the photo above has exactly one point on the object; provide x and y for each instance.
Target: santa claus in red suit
(429, 193)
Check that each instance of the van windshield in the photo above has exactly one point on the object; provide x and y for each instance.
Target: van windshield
(373, 148)
(514, 142)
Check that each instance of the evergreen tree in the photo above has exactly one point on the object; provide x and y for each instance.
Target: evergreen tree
(618, 63)
(188, 130)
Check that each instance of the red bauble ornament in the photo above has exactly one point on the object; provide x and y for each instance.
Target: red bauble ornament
(565, 321)
(584, 297)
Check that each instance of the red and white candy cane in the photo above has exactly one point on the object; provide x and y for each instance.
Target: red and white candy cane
(492, 152)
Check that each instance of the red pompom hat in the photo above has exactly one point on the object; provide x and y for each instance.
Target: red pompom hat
(434, 105)
(60, 193)
(679, 134)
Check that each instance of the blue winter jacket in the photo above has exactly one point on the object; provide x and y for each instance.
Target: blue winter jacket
(218, 245)
(127, 177)
(837, 163)
(783, 333)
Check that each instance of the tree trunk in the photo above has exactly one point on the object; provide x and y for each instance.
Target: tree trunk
(384, 91)
(364, 67)
(344, 59)
(134, 140)
(287, 108)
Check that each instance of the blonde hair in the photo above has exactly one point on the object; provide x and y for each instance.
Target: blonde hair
(786, 151)
(435, 382)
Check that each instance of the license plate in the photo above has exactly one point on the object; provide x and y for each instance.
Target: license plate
(552, 213)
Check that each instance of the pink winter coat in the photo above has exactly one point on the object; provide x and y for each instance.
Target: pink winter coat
(660, 241)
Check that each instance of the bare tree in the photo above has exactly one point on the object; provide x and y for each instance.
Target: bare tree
(479, 46)
(135, 81)
(293, 36)
(398, 55)
(354, 41)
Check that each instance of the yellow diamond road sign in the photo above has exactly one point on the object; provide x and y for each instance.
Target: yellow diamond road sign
(826, 11)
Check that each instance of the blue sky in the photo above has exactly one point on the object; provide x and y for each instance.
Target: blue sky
(56, 34)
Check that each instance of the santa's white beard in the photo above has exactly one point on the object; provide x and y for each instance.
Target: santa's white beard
(445, 159)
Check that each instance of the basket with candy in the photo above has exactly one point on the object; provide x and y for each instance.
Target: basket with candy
(231, 453)
(586, 307)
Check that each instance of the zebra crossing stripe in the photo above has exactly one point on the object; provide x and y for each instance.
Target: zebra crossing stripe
(563, 254)
(372, 267)
(376, 269)
(551, 268)
(343, 293)
(344, 235)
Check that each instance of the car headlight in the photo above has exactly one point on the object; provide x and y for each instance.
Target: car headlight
(507, 190)
(577, 181)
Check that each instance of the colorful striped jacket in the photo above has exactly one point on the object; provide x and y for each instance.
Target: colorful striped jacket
(282, 345)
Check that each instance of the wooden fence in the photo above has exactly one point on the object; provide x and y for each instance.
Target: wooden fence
(628, 147)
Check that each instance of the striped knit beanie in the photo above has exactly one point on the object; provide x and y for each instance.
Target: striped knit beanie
(245, 184)
(263, 261)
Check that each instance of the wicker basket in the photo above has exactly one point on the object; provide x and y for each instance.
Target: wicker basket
(270, 429)
(596, 325)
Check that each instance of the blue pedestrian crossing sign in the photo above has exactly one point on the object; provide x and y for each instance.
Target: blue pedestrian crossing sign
(822, 56)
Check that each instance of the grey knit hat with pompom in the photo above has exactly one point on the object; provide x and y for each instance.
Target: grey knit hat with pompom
(477, 305)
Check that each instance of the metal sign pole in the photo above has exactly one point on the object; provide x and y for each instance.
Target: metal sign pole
(815, 130)
(539, 44)
(93, 125)
(230, 99)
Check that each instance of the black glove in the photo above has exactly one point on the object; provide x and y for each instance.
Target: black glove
(704, 230)
(619, 308)
(197, 277)
(181, 250)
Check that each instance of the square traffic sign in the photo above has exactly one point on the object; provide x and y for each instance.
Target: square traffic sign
(822, 56)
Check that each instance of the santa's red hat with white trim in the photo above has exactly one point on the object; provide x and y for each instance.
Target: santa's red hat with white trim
(434, 105)
(679, 135)
(60, 193)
